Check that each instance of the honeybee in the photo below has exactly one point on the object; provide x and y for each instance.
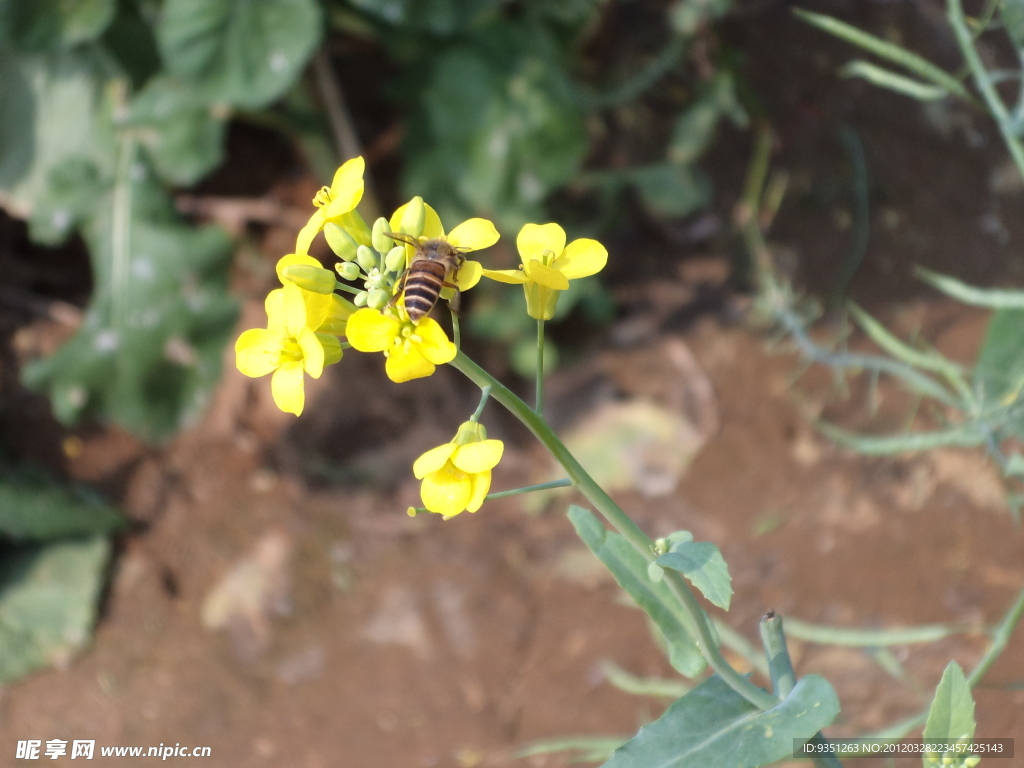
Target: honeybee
(435, 265)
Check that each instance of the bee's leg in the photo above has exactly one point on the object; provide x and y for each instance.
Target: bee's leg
(399, 287)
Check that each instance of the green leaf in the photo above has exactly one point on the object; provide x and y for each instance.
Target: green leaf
(886, 50)
(182, 134)
(695, 128)
(38, 25)
(714, 727)
(643, 686)
(243, 52)
(951, 715)
(889, 445)
(994, 298)
(1012, 12)
(588, 749)
(671, 190)
(884, 78)
(999, 372)
(630, 571)
(34, 507)
(48, 598)
(703, 565)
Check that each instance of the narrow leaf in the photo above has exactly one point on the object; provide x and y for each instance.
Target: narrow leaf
(895, 444)
(589, 749)
(886, 50)
(930, 361)
(630, 571)
(884, 78)
(951, 715)
(994, 298)
(714, 727)
(702, 563)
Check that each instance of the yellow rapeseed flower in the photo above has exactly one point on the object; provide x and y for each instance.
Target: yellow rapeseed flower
(470, 235)
(548, 266)
(334, 202)
(413, 350)
(291, 345)
(457, 475)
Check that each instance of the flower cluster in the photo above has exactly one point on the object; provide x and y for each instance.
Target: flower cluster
(309, 324)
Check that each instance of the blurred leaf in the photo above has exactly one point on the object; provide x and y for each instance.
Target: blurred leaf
(695, 128)
(130, 40)
(671, 190)
(887, 445)
(590, 749)
(149, 351)
(33, 507)
(630, 571)
(999, 372)
(37, 25)
(440, 17)
(883, 78)
(182, 134)
(243, 52)
(688, 16)
(714, 727)
(1012, 12)
(703, 565)
(951, 715)
(994, 298)
(643, 686)
(48, 597)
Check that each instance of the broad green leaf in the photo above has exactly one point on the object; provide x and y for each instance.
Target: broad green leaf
(34, 507)
(883, 78)
(951, 715)
(1012, 12)
(886, 50)
(183, 135)
(671, 190)
(999, 373)
(38, 25)
(242, 52)
(48, 598)
(630, 571)
(703, 565)
(714, 727)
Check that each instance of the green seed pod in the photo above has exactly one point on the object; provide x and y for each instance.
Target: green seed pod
(360, 299)
(341, 242)
(395, 260)
(366, 257)
(377, 298)
(381, 242)
(315, 279)
(348, 270)
(414, 217)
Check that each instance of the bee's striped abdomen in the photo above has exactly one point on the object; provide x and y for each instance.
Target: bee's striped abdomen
(422, 287)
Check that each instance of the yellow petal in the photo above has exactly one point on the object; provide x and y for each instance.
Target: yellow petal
(431, 223)
(481, 485)
(546, 276)
(346, 188)
(332, 348)
(446, 491)
(287, 387)
(581, 258)
(406, 363)
(275, 310)
(312, 353)
(478, 457)
(469, 274)
(432, 460)
(338, 313)
(294, 309)
(433, 344)
(505, 275)
(293, 259)
(534, 239)
(370, 331)
(258, 352)
(541, 301)
(473, 234)
(308, 232)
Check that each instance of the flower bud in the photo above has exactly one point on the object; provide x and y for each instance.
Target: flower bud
(341, 241)
(381, 242)
(413, 218)
(395, 260)
(366, 257)
(377, 298)
(337, 316)
(310, 278)
(356, 227)
(332, 348)
(470, 432)
(348, 270)
(360, 299)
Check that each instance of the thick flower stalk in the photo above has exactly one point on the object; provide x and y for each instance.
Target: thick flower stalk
(457, 475)
(291, 346)
(413, 350)
(548, 266)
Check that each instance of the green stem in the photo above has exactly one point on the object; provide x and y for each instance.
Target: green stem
(996, 107)
(340, 286)
(1000, 638)
(485, 393)
(456, 331)
(927, 633)
(780, 666)
(622, 523)
(540, 367)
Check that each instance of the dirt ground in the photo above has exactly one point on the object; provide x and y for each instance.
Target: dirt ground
(277, 604)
